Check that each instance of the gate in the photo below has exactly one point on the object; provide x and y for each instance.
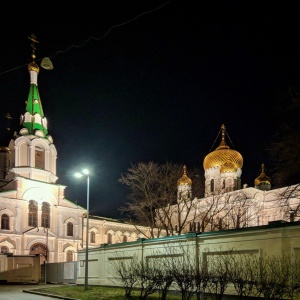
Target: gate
(64, 272)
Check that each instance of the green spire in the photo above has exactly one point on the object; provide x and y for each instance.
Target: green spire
(34, 119)
(34, 109)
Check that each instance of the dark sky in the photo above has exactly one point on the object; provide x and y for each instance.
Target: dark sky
(140, 81)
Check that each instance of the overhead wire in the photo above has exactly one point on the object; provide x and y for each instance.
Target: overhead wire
(92, 37)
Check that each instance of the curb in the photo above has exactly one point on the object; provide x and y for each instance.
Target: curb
(49, 295)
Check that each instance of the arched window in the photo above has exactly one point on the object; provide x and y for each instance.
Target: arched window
(5, 222)
(70, 229)
(109, 238)
(45, 215)
(93, 237)
(4, 249)
(212, 185)
(41, 249)
(124, 238)
(39, 158)
(69, 255)
(32, 213)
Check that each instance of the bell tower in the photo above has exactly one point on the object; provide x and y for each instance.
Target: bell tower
(32, 151)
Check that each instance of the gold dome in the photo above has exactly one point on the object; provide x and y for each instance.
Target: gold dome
(223, 155)
(262, 178)
(228, 167)
(33, 67)
(184, 180)
(4, 149)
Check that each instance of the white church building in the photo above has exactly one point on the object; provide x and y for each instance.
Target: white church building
(35, 216)
(227, 204)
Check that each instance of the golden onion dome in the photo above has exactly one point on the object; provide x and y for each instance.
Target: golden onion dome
(223, 155)
(33, 67)
(4, 149)
(184, 180)
(262, 178)
(228, 167)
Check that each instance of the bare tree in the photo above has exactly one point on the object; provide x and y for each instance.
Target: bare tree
(282, 150)
(182, 265)
(148, 279)
(219, 270)
(241, 211)
(123, 270)
(164, 277)
(288, 201)
(244, 274)
(274, 274)
(293, 287)
(153, 198)
(225, 211)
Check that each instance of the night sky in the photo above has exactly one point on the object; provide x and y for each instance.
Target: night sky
(140, 81)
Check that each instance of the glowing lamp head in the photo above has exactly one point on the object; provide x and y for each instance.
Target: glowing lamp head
(82, 173)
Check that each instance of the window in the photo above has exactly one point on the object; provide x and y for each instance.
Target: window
(5, 222)
(70, 229)
(212, 185)
(45, 215)
(69, 255)
(4, 249)
(40, 249)
(93, 237)
(109, 238)
(39, 158)
(32, 214)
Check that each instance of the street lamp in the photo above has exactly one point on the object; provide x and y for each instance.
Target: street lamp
(85, 172)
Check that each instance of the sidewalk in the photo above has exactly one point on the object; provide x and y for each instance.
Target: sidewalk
(27, 292)
(40, 286)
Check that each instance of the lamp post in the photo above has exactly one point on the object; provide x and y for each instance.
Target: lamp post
(85, 172)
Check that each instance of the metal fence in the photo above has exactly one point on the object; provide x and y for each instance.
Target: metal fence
(64, 272)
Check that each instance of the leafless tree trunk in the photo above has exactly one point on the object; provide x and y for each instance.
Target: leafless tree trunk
(219, 270)
(184, 272)
(274, 277)
(244, 274)
(124, 272)
(288, 201)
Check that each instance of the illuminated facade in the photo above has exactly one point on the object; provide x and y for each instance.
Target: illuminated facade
(226, 204)
(36, 218)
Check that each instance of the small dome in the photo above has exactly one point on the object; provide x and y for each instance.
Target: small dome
(33, 67)
(223, 155)
(228, 167)
(184, 180)
(262, 178)
(4, 149)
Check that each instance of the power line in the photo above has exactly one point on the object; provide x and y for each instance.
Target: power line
(92, 37)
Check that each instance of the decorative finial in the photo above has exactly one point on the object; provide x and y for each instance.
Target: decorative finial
(34, 40)
(8, 117)
(263, 168)
(223, 128)
(184, 170)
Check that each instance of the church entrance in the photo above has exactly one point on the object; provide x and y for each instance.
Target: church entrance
(41, 250)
